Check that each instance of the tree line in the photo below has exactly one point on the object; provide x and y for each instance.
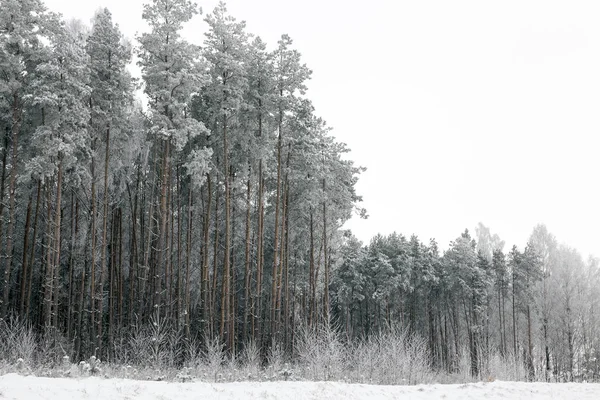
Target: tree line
(535, 307)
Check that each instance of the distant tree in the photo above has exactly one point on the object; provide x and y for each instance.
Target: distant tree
(545, 245)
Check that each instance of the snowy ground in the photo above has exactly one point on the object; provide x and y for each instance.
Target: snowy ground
(13, 386)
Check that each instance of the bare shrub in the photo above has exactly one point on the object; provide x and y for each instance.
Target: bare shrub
(214, 357)
(250, 361)
(155, 344)
(390, 357)
(18, 343)
(321, 353)
(505, 368)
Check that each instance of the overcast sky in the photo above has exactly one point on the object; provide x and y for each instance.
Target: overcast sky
(462, 111)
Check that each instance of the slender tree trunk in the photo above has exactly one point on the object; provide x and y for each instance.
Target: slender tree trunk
(74, 212)
(247, 272)
(80, 308)
(133, 256)
(103, 249)
(278, 296)
(16, 128)
(257, 310)
(505, 340)
(286, 261)
(48, 276)
(162, 233)
(233, 282)
(94, 309)
(205, 289)
(3, 180)
(514, 317)
(325, 255)
(111, 284)
(32, 251)
(213, 292)
(57, 222)
(149, 267)
(24, 266)
(178, 264)
(188, 254)
(311, 273)
(257, 300)
(276, 234)
(170, 232)
(120, 301)
(225, 295)
(530, 366)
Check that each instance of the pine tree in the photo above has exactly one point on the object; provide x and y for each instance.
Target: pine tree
(110, 102)
(23, 24)
(172, 72)
(225, 50)
(61, 141)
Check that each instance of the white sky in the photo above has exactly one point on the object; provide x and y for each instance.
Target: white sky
(462, 111)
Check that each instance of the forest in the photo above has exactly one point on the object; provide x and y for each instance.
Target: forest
(208, 198)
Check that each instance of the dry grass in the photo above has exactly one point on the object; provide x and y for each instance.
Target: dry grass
(155, 352)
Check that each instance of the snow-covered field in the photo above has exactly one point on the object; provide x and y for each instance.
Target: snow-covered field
(13, 386)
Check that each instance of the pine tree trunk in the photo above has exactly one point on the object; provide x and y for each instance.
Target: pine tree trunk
(311, 274)
(24, 266)
(225, 295)
(278, 296)
(205, 289)
(169, 250)
(257, 303)
(247, 272)
(213, 291)
(514, 318)
(57, 240)
(93, 295)
(103, 249)
(286, 261)
(147, 290)
(133, 255)
(80, 308)
(32, 251)
(120, 271)
(16, 128)
(111, 285)
(178, 264)
(276, 234)
(3, 181)
(48, 276)
(188, 253)
(162, 233)
(326, 256)
(71, 266)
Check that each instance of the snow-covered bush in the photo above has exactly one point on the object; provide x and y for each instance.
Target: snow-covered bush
(18, 345)
(214, 357)
(250, 366)
(390, 357)
(156, 344)
(321, 353)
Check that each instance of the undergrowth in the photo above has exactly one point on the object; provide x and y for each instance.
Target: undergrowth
(156, 352)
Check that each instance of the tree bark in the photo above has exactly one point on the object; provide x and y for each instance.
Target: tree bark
(16, 128)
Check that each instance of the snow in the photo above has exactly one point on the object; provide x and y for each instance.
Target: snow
(13, 386)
